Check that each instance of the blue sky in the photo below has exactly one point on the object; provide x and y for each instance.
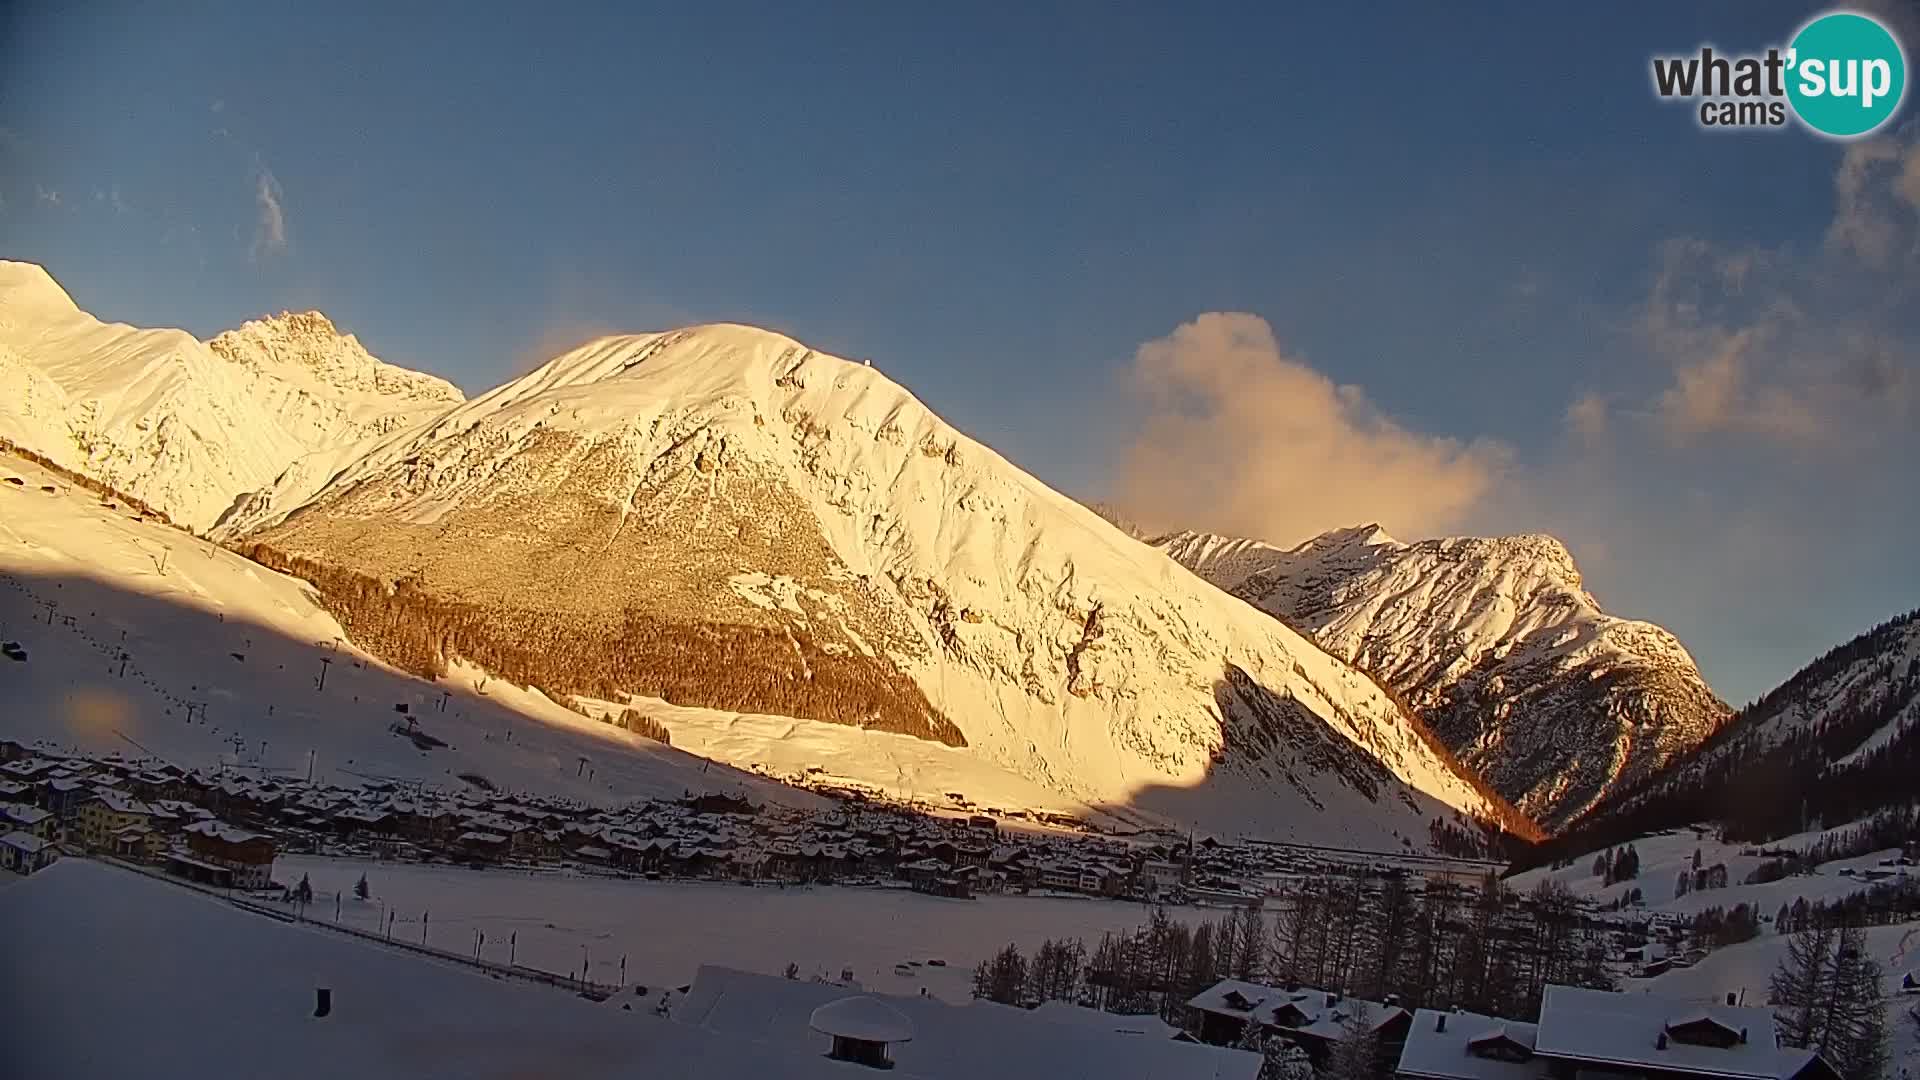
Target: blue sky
(1474, 220)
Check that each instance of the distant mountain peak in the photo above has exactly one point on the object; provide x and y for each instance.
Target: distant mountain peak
(1369, 535)
(309, 341)
(27, 286)
(1496, 643)
(185, 425)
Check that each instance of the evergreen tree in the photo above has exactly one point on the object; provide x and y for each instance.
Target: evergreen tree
(1357, 1055)
(1280, 1058)
(1249, 943)
(1003, 978)
(1802, 986)
(1854, 1039)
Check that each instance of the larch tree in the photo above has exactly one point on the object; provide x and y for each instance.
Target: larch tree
(1801, 988)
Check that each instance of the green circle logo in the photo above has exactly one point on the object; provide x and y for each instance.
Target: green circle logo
(1846, 74)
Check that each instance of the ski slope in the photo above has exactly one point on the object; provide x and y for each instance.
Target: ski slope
(243, 649)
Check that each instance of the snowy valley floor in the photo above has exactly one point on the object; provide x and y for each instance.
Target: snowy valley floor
(667, 929)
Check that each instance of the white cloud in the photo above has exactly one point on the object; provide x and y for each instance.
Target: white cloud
(270, 230)
(1242, 439)
(48, 196)
(219, 105)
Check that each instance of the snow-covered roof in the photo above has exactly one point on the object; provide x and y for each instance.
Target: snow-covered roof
(85, 930)
(953, 1042)
(1065, 1012)
(22, 814)
(862, 1017)
(1305, 1010)
(120, 802)
(1448, 1055)
(22, 841)
(1603, 1026)
(220, 830)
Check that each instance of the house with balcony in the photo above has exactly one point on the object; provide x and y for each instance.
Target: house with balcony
(1315, 1020)
(24, 853)
(106, 814)
(237, 858)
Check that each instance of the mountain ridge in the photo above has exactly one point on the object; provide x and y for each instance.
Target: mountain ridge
(910, 544)
(722, 517)
(184, 425)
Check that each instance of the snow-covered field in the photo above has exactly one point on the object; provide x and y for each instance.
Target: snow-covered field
(667, 929)
(1663, 857)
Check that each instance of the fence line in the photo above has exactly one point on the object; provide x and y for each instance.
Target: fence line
(492, 967)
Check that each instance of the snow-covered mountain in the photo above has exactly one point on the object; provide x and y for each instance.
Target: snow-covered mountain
(184, 425)
(1495, 643)
(722, 517)
(1834, 743)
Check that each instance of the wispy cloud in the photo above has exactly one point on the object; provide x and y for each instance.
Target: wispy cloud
(270, 228)
(217, 106)
(1808, 348)
(1241, 438)
(47, 196)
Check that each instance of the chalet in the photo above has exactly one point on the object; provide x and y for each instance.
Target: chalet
(106, 814)
(246, 857)
(1469, 1046)
(480, 846)
(19, 817)
(1157, 878)
(948, 1042)
(1599, 1031)
(1314, 1020)
(24, 853)
(62, 795)
(138, 842)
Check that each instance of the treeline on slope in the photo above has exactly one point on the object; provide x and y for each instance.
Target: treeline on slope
(1486, 949)
(82, 480)
(701, 664)
(1760, 793)
(1887, 903)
